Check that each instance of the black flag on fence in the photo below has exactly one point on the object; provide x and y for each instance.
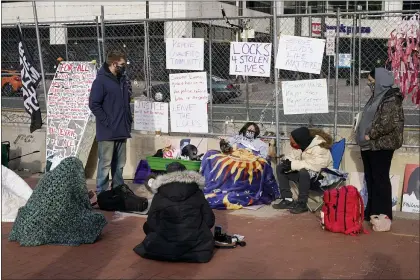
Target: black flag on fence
(30, 80)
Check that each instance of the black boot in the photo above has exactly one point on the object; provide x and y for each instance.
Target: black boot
(300, 207)
(284, 204)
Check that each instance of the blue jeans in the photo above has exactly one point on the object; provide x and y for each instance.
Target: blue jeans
(112, 157)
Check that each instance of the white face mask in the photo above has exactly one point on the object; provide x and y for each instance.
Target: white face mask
(250, 134)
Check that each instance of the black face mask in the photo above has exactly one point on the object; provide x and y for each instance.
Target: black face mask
(120, 70)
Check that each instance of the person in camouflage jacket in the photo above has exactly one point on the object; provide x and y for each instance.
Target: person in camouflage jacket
(379, 133)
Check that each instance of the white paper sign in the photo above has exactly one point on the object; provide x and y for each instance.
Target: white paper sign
(151, 116)
(185, 53)
(189, 117)
(250, 59)
(330, 46)
(305, 97)
(300, 54)
(344, 60)
(188, 87)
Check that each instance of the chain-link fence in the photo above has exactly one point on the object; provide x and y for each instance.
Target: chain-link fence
(360, 39)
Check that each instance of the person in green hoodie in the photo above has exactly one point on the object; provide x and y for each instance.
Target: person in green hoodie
(379, 133)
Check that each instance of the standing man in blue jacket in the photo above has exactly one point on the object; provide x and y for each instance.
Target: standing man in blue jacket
(109, 101)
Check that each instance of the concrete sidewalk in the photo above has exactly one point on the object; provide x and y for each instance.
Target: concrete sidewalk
(279, 245)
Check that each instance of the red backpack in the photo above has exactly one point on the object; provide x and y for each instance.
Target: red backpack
(343, 211)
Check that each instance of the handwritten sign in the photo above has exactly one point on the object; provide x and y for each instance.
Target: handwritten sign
(189, 117)
(250, 59)
(188, 87)
(185, 53)
(151, 116)
(305, 97)
(300, 54)
(68, 108)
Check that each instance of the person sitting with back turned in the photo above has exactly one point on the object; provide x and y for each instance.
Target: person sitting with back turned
(179, 221)
(310, 154)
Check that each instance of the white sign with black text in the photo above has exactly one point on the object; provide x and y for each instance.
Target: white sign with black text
(305, 97)
(300, 54)
(250, 59)
(151, 116)
(188, 87)
(185, 53)
(190, 117)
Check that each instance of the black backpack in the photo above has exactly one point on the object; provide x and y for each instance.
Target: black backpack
(121, 198)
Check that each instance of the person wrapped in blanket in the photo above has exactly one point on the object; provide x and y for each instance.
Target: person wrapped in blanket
(310, 154)
(247, 138)
(239, 175)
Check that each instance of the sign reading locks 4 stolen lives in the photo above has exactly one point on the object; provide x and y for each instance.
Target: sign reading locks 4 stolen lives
(250, 59)
(151, 116)
(185, 53)
(305, 97)
(68, 108)
(189, 117)
(300, 54)
(188, 87)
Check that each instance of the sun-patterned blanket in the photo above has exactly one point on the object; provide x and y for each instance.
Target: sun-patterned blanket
(237, 180)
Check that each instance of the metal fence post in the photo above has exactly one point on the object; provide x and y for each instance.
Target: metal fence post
(41, 61)
(337, 50)
(360, 63)
(276, 79)
(67, 42)
(210, 74)
(147, 73)
(98, 37)
(103, 32)
(310, 28)
(353, 68)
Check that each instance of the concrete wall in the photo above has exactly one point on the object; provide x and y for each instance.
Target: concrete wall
(142, 145)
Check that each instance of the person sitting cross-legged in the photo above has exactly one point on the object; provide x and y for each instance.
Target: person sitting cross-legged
(310, 154)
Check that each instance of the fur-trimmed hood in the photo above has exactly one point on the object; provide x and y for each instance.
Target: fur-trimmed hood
(178, 186)
(327, 144)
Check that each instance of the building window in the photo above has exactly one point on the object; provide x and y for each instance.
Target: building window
(317, 6)
(229, 2)
(411, 5)
(260, 6)
(375, 6)
(294, 7)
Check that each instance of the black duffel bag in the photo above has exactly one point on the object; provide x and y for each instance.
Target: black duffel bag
(121, 198)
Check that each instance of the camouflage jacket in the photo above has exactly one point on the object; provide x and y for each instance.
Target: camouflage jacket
(387, 130)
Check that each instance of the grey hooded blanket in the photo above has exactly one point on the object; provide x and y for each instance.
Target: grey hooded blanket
(59, 210)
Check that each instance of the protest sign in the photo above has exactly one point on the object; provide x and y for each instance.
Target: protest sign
(185, 53)
(151, 116)
(300, 54)
(188, 87)
(189, 117)
(68, 108)
(305, 97)
(250, 59)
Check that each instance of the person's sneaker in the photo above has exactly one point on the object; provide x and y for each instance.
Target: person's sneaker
(300, 207)
(284, 204)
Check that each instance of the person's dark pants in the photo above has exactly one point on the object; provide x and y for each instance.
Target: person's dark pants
(302, 178)
(146, 228)
(376, 166)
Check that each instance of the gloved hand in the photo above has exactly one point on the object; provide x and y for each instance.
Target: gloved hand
(287, 165)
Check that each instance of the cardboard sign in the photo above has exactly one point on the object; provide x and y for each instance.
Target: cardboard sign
(185, 53)
(300, 54)
(151, 116)
(250, 59)
(411, 190)
(305, 97)
(68, 108)
(189, 117)
(189, 87)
